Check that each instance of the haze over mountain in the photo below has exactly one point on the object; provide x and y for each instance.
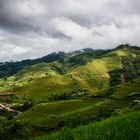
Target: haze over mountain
(34, 28)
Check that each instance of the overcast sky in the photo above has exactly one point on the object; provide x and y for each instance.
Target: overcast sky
(34, 28)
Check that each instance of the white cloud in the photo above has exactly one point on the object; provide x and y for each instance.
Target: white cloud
(25, 8)
(18, 51)
(71, 29)
(33, 28)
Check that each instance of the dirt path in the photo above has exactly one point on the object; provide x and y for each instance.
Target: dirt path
(7, 107)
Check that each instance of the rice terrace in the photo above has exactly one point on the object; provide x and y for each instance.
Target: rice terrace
(69, 70)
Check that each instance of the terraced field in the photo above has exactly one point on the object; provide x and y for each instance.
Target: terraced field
(67, 93)
(123, 91)
(43, 88)
(41, 80)
(87, 77)
(46, 110)
(45, 118)
(120, 128)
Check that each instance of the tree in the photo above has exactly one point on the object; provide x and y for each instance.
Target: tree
(115, 77)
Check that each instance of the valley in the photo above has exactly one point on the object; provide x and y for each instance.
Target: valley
(69, 95)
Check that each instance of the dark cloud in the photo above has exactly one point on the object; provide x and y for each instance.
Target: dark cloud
(32, 28)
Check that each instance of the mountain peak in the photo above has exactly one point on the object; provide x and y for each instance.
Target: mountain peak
(127, 46)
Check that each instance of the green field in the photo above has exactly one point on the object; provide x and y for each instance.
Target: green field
(122, 91)
(120, 128)
(73, 99)
(46, 81)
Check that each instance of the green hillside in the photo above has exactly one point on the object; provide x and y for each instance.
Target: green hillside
(46, 118)
(78, 95)
(123, 91)
(85, 78)
(120, 128)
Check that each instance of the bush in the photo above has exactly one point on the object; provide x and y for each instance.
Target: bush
(64, 96)
(24, 106)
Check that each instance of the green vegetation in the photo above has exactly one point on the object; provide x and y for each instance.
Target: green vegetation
(129, 71)
(122, 91)
(84, 94)
(120, 128)
(43, 88)
(46, 118)
(45, 80)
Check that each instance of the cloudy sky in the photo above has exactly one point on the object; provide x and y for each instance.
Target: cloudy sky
(34, 28)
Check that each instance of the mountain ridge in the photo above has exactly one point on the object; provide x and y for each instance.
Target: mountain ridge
(81, 88)
(10, 68)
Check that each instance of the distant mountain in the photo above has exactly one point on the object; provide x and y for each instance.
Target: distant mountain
(75, 58)
(63, 91)
(85, 70)
(10, 68)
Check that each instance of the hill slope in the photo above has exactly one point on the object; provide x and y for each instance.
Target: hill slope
(85, 72)
(66, 92)
(122, 128)
(89, 77)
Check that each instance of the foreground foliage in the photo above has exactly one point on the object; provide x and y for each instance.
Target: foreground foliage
(120, 128)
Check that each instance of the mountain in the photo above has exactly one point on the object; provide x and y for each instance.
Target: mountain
(83, 72)
(10, 68)
(66, 90)
(108, 129)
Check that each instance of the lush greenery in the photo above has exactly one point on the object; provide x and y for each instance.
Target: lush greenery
(130, 70)
(120, 128)
(84, 94)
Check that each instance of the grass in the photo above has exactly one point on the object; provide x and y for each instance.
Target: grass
(28, 74)
(96, 71)
(49, 117)
(42, 80)
(47, 110)
(39, 82)
(126, 89)
(122, 91)
(121, 128)
(46, 118)
(43, 88)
